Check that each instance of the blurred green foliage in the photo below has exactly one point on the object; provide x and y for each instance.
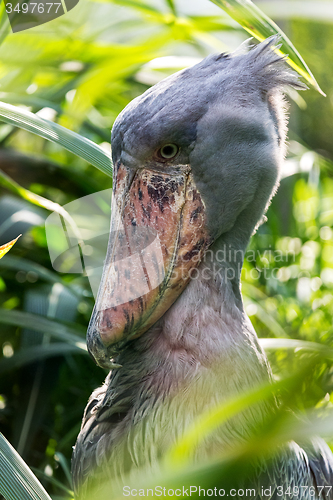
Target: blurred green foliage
(80, 71)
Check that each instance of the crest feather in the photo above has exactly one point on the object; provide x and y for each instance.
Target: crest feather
(267, 69)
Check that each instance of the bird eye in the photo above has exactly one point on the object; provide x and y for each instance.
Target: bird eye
(168, 151)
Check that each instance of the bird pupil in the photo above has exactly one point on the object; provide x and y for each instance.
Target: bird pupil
(169, 150)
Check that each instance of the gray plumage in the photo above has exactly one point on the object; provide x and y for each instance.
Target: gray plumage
(227, 116)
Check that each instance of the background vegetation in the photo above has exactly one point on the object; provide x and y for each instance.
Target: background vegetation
(80, 71)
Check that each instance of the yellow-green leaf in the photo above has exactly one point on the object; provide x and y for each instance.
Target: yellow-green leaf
(260, 26)
(5, 248)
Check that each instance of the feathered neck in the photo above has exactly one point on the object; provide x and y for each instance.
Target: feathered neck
(206, 328)
(202, 352)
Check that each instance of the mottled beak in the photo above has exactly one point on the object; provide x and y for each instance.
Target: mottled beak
(158, 235)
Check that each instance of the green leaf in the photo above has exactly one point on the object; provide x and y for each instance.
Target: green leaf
(75, 143)
(4, 23)
(37, 353)
(232, 462)
(321, 349)
(53, 481)
(212, 418)
(40, 201)
(260, 26)
(67, 332)
(172, 7)
(59, 457)
(17, 481)
(136, 5)
(269, 321)
(21, 264)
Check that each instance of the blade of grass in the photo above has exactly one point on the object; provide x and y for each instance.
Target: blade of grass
(260, 26)
(232, 463)
(172, 7)
(57, 497)
(17, 481)
(135, 5)
(52, 480)
(213, 418)
(324, 351)
(73, 142)
(63, 462)
(269, 321)
(20, 264)
(38, 353)
(4, 23)
(62, 331)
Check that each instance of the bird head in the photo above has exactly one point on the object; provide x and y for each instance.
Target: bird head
(196, 157)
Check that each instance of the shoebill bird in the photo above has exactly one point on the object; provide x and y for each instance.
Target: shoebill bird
(196, 163)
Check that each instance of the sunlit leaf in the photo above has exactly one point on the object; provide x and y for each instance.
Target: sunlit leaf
(5, 248)
(17, 481)
(75, 143)
(172, 6)
(212, 418)
(137, 5)
(269, 321)
(273, 344)
(260, 26)
(233, 463)
(4, 23)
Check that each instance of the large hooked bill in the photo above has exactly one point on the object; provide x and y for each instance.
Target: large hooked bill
(158, 235)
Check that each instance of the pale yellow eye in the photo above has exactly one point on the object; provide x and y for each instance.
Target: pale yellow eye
(168, 151)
